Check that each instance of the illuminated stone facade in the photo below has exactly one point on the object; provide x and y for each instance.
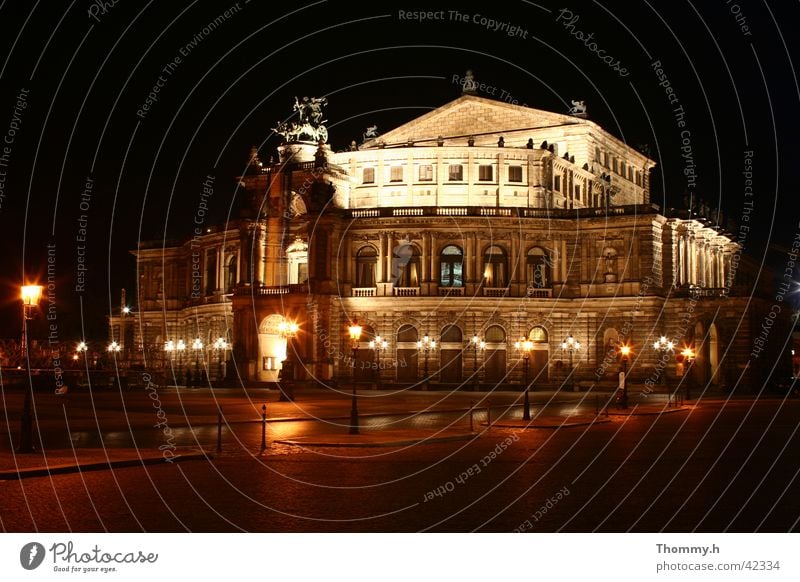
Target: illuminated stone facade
(479, 218)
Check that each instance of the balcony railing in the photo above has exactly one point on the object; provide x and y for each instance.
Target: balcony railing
(495, 291)
(700, 292)
(406, 291)
(451, 291)
(502, 211)
(363, 291)
(539, 293)
(272, 289)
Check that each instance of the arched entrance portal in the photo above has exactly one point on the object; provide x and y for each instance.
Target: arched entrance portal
(452, 348)
(271, 348)
(539, 355)
(407, 337)
(495, 362)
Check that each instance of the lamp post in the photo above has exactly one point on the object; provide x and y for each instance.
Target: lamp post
(169, 350)
(220, 345)
(181, 347)
(689, 356)
(197, 347)
(426, 344)
(30, 295)
(624, 352)
(525, 345)
(570, 345)
(664, 346)
(378, 345)
(476, 344)
(355, 337)
(288, 330)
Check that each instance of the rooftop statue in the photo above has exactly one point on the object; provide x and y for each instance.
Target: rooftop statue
(309, 125)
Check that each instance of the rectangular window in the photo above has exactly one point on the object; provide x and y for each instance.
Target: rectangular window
(615, 166)
(597, 155)
(456, 173)
(485, 173)
(368, 176)
(426, 173)
(557, 183)
(605, 159)
(630, 173)
(577, 192)
(396, 174)
(515, 173)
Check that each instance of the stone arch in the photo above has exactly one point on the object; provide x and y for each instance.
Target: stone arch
(271, 348)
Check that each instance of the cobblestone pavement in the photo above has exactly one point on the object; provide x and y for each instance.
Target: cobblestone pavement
(714, 467)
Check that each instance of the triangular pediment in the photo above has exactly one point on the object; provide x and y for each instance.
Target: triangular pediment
(473, 115)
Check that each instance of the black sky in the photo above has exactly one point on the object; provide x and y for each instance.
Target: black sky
(86, 78)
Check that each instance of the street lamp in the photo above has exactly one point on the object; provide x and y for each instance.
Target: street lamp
(624, 352)
(114, 348)
(427, 345)
(181, 347)
(30, 295)
(197, 347)
(525, 345)
(689, 356)
(664, 346)
(288, 330)
(220, 345)
(378, 345)
(476, 344)
(169, 350)
(355, 337)
(570, 345)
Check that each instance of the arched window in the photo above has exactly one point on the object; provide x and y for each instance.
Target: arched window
(211, 271)
(230, 274)
(451, 334)
(366, 261)
(538, 268)
(495, 267)
(405, 265)
(407, 333)
(452, 267)
(495, 334)
(538, 335)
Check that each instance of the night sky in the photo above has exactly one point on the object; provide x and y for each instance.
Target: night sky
(87, 139)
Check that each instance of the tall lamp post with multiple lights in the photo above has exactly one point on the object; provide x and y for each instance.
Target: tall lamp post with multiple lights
(220, 345)
(169, 350)
(664, 346)
(197, 347)
(354, 331)
(476, 344)
(31, 294)
(525, 345)
(570, 345)
(180, 347)
(689, 357)
(624, 352)
(427, 345)
(378, 345)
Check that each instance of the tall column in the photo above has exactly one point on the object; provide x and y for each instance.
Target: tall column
(380, 274)
(425, 259)
(220, 269)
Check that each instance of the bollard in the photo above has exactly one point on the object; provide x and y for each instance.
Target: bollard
(219, 430)
(263, 428)
(471, 410)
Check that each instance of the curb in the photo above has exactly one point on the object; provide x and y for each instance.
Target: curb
(98, 466)
(387, 443)
(521, 424)
(651, 412)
